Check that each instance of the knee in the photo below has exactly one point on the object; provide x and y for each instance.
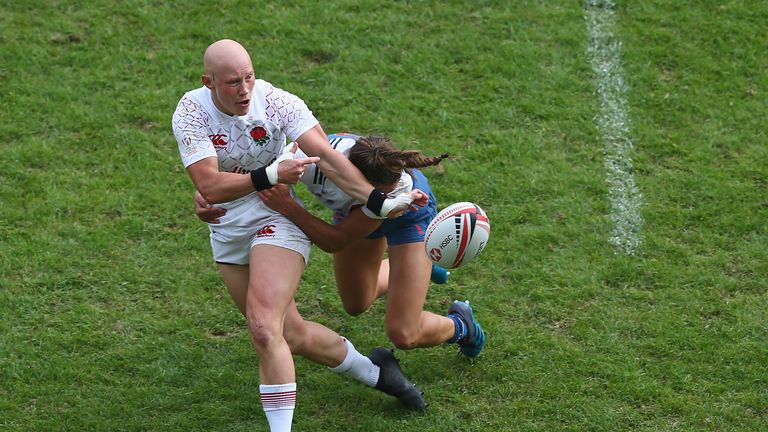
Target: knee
(355, 309)
(403, 338)
(356, 306)
(263, 332)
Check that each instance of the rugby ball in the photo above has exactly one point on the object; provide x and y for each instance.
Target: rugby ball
(457, 235)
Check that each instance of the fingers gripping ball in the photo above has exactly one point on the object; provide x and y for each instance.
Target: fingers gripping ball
(457, 235)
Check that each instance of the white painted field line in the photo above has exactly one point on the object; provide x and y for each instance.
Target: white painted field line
(613, 122)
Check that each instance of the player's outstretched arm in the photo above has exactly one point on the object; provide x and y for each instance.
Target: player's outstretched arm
(345, 175)
(330, 238)
(334, 164)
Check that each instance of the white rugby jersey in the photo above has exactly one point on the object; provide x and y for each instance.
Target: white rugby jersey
(330, 195)
(241, 143)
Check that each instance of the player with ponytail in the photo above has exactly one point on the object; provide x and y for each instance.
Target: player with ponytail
(359, 240)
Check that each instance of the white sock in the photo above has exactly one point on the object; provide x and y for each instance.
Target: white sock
(278, 402)
(358, 366)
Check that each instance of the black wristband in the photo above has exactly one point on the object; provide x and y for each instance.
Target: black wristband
(260, 179)
(375, 201)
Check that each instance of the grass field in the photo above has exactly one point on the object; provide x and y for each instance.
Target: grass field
(113, 317)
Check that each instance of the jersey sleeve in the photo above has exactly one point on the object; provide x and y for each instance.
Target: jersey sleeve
(190, 125)
(288, 111)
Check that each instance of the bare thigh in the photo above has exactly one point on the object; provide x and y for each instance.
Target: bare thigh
(409, 273)
(275, 273)
(264, 289)
(305, 338)
(236, 279)
(408, 325)
(357, 273)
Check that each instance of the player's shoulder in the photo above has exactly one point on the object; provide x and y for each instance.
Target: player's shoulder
(268, 92)
(194, 99)
(197, 94)
(272, 92)
(264, 87)
(342, 141)
(344, 135)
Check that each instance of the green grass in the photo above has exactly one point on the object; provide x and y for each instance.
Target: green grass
(113, 318)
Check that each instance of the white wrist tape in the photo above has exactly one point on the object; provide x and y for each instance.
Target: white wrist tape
(400, 202)
(272, 169)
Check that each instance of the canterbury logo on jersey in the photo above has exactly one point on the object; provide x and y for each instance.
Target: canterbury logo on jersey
(267, 230)
(218, 140)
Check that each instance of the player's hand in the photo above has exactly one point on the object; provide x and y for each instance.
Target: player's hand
(205, 211)
(394, 207)
(290, 169)
(278, 198)
(418, 199)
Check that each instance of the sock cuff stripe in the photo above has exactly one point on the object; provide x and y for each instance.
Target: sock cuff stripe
(278, 395)
(278, 400)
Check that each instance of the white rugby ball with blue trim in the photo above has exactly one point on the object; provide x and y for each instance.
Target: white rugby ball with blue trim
(457, 235)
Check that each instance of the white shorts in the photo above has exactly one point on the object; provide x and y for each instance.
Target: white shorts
(248, 223)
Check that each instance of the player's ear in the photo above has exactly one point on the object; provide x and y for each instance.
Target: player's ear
(207, 81)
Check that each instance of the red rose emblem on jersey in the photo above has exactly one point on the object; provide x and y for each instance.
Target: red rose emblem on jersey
(258, 133)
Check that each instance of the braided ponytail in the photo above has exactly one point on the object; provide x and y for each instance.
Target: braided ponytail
(382, 163)
(414, 159)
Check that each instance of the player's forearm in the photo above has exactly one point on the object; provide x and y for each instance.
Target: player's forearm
(219, 187)
(224, 187)
(346, 176)
(327, 237)
(335, 165)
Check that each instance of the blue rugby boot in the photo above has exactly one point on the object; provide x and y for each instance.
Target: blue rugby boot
(472, 339)
(439, 274)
